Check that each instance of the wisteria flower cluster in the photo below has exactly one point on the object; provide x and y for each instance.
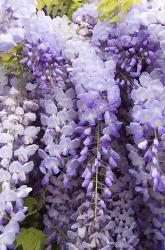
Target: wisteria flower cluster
(82, 128)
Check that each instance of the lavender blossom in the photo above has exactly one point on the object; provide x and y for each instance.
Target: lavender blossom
(17, 146)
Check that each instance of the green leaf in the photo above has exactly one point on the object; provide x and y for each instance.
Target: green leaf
(30, 239)
(6, 57)
(40, 4)
(10, 60)
(126, 5)
(62, 7)
(103, 16)
(113, 9)
(57, 7)
(115, 19)
(49, 9)
(31, 203)
(47, 2)
(102, 4)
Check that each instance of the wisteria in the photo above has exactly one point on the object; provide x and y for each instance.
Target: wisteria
(82, 125)
(17, 139)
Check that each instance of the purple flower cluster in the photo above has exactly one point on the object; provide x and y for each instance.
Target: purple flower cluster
(87, 115)
(139, 53)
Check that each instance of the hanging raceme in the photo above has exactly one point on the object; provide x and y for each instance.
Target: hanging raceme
(82, 125)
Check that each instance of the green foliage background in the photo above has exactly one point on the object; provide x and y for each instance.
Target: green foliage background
(62, 7)
(113, 9)
(30, 239)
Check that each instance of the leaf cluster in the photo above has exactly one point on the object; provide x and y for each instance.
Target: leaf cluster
(30, 239)
(10, 59)
(31, 236)
(59, 7)
(113, 9)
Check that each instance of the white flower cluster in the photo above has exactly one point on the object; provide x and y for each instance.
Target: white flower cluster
(13, 16)
(17, 136)
(57, 120)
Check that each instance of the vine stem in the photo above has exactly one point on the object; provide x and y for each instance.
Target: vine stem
(21, 80)
(58, 230)
(157, 158)
(97, 169)
(51, 76)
